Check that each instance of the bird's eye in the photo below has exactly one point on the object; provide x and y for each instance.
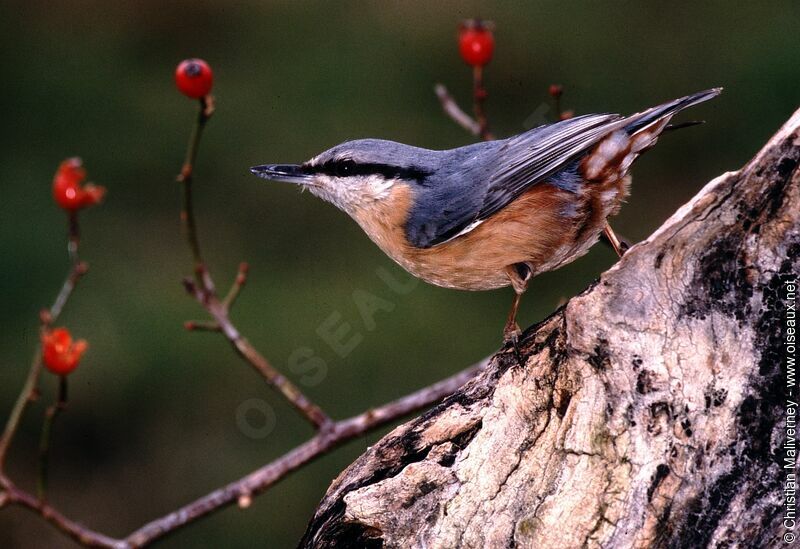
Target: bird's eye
(345, 168)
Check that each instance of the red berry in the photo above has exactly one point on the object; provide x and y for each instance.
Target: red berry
(555, 90)
(92, 194)
(476, 42)
(194, 78)
(67, 190)
(60, 354)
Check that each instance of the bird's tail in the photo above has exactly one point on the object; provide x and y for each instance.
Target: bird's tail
(661, 114)
(642, 131)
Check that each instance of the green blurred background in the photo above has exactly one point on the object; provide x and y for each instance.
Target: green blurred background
(153, 419)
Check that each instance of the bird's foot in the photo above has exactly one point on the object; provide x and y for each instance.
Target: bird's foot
(618, 244)
(511, 335)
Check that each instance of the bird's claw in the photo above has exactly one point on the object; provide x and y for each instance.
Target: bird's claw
(511, 335)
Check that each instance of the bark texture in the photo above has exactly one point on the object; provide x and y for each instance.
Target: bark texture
(647, 412)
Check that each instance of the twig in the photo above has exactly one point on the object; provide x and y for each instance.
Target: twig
(201, 326)
(479, 95)
(29, 391)
(185, 177)
(478, 126)
(44, 443)
(457, 114)
(26, 396)
(73, 236)
(216, 308)
(236, 287)
(78, 269)
(261, 479)
(204, 291)
(10, 493)
(451, 109)
(85, 536)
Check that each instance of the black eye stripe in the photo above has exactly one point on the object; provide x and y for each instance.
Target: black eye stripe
(347, 167)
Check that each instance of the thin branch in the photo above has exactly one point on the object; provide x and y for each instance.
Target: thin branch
(236, 287)
(10, 493)
(451, 109)
(89, 538)
(203, 290)
(479, 95)
(216, 308)
(73, 236)
(29, 391)
(478, 126)
(185, 178)
(263, 478)
(47, 428)
(457, 114)
(201, 326)
(26, 396)
(78, 269)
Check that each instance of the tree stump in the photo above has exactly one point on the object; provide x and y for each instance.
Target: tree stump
(649, 411)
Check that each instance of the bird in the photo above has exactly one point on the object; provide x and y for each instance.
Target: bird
(494, 213)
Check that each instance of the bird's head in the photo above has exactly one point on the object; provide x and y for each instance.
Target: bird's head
(356, 174)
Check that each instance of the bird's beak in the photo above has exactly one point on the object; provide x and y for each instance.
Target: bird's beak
(286, 173)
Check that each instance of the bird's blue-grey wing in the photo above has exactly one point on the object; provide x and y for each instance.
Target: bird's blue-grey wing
(535, 156)
(480, 179)
(450, 198)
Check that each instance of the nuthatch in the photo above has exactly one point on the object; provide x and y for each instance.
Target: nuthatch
(493, 213)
